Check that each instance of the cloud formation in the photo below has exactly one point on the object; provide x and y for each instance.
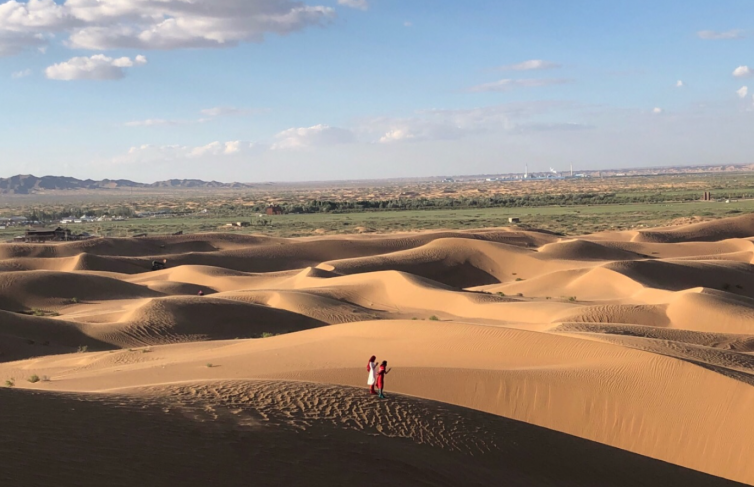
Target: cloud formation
(21, 74)
(359, 4)
(97, 67)
(209, 115)
(223, 112)
(510, 84)
(317, 135)
(657, 110)
(457, 124)
(159, 154)
(742, 72)
(531, 65)
(742, 92)
(157, 122)
(711, 35)
(679, 84)
(151, 24)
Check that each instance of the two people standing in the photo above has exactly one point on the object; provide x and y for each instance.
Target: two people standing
(377, 376)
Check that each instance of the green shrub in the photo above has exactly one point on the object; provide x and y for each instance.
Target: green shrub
(10, 382)
(572, 299)
(83, 349)
(34, 379)
(434, 318)
(41, 312)
(267, 334)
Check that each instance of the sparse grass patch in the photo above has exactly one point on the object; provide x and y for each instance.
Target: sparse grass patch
(267, 334)
(74, 300)
(10, 382)
(43, 312)
(518, 279)
(209, 366)
(572, 299)
(434, 318)
(34, 379)
(501, 294)
(83, 349)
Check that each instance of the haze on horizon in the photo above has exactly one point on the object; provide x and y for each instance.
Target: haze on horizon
(260, 90)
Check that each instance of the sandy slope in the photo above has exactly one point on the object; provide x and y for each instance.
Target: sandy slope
(603, 347)
(270, 433)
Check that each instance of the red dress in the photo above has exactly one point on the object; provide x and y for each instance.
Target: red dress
(381, 377)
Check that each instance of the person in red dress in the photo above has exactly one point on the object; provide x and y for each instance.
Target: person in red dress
(381, 378)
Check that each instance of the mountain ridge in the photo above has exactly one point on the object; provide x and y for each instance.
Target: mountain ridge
(30, 184)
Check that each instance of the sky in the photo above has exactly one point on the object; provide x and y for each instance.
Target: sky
(313, 90)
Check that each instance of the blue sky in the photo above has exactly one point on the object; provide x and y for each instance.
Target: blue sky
(260, 90)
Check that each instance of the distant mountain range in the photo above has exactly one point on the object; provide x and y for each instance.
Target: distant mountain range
(28, 184)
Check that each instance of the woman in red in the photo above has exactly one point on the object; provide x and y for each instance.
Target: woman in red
(381, 378)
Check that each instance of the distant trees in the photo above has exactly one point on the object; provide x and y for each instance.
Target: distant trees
(50, 214)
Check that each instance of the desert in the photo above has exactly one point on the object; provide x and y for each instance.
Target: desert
(518, 357)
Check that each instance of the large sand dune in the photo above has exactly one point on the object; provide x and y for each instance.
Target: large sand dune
(623, 358)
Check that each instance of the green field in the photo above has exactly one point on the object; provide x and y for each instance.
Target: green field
(567, 220)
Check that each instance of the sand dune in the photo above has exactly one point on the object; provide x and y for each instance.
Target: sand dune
(512, 373)
(272, 432)
(23, 290)
(738, 227)
(620, 358)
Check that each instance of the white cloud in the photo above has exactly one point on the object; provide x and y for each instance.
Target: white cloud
(531, 65)
(152, 24)
(743, 91)
(158, 122)
(360, 4)
(397, 135)
(21, 74)
(742, 72)
(159, 154)
(714, 35)
(217, 149)
(509, 84)
(318, 135)
(223, 111)
(97, 67)
(657, 110)
(209, 115)
(679, 84)
(408, 24)
(457, 124)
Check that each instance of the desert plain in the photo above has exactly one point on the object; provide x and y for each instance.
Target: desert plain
(518, 357)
